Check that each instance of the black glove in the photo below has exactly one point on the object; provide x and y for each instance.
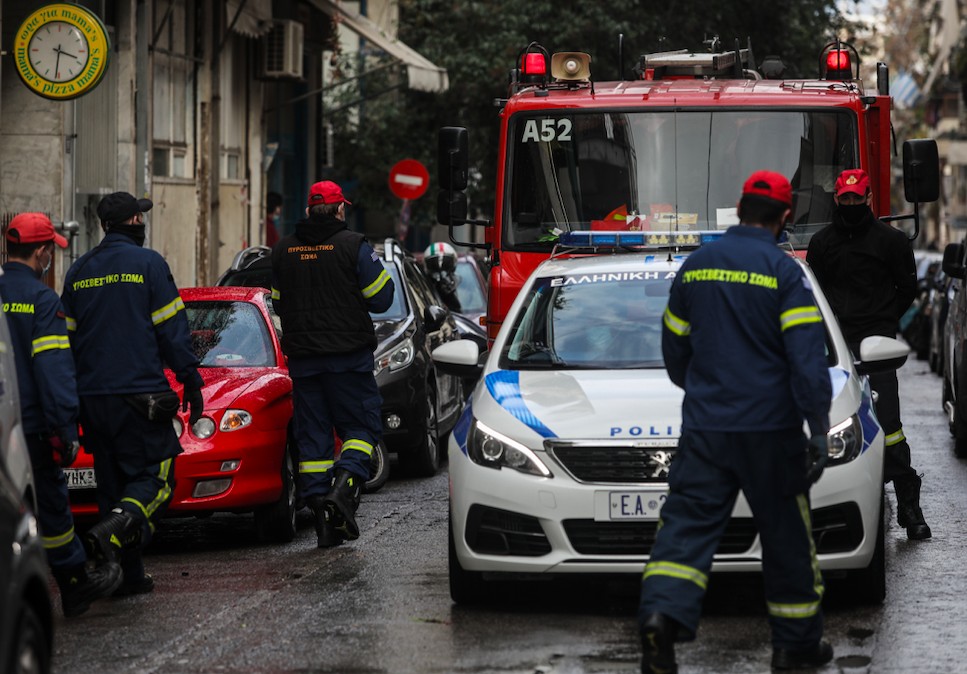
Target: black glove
(65, 448)
(191, 397)
(818, 457)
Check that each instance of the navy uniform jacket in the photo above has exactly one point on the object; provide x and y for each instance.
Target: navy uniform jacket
(743, 336)
(126, 321)
(45, 367)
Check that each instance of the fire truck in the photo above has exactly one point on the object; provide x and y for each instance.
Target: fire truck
(668, 151)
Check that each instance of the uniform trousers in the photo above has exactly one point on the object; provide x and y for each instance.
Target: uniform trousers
(63, 547)
(133, 464)
(897, 462)
(706, 475)
(347, 403)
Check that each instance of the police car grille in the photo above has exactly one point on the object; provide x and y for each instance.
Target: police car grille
(615, 464)
(588, 537)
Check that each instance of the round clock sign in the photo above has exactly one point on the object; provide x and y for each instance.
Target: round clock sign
(61, 51)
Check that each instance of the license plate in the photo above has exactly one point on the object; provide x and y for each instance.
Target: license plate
(636, 505)
(80, 478)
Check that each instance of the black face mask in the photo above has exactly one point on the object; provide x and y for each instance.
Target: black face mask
(854, 214)
(133, 232)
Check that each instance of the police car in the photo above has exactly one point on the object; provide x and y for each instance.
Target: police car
(559, 463)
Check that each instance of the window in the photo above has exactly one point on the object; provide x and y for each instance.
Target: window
(173, 132)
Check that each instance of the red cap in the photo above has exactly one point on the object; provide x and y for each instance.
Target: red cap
(853, 180)
(33, 228)
(770, 185)
(327, 192)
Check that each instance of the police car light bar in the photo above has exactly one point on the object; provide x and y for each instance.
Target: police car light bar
(653, 240)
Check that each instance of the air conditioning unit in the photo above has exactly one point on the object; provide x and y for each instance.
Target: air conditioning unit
(282, 50)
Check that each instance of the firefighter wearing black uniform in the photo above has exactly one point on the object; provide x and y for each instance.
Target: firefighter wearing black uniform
(866, 269)
(743, 336)
(325, 281)
(127, 323)
(48, 404)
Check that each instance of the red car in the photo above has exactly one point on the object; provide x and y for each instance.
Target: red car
(238, 457)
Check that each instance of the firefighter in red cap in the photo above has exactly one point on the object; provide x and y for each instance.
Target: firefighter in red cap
(48, 404)
(867, 271)
(719, 329)
(325, 281)
(127, 323)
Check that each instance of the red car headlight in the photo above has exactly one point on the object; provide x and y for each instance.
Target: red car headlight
(233, 420)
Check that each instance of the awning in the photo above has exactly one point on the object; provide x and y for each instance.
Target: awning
(423, 75)
(254, 20)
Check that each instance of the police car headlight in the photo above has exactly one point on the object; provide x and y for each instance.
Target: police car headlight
(845, 440)
(489, 448)
(397, 358)
(233, 420)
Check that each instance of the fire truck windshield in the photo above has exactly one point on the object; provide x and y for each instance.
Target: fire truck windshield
(667, 170)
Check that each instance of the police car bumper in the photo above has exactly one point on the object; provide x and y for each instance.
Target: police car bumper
(504, 521)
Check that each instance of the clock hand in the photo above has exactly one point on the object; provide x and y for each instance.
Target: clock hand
(57, 63)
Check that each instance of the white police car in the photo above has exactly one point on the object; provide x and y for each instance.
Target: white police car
(559, 463)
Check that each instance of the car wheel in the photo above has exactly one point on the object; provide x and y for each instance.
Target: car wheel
(276, 522)
(466, 587)
(423, 458)
(378, 468)
(31, 653)
(868, 586)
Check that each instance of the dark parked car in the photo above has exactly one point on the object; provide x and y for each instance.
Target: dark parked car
(420, 404)
(938, 302)
(26, 620)
(955, 348)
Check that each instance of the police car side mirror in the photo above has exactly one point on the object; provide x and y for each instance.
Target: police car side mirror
(953, 260)
(881, 354)
(460, 358)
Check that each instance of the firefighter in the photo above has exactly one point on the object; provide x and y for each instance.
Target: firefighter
(867, 271)
(743, 336)
(48, 404)
(325, 281)
(440, 262)
(126, 323)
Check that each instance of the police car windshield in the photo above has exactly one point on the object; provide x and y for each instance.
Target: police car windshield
(229, 334)
(664, 169)
(595, 321)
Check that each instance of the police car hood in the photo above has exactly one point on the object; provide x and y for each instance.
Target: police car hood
(609, 404)
(583, 404)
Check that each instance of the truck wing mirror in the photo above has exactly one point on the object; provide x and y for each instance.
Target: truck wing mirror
(452, 158)
(953, 260)
(921, 170)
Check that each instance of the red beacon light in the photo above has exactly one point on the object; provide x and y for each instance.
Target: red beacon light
(534, 64)
(838, 64)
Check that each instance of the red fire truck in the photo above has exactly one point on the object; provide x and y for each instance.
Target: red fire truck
(668, 151)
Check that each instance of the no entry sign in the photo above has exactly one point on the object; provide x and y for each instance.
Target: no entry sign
(408, 179)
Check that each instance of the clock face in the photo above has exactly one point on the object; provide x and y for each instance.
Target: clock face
(58, 51)
(61, 51)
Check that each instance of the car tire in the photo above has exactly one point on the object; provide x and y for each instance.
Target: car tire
(423, 458)
(31, 645)
(868, 586)
(958, 426)
(378, 468)
(466, 587)
(276, 522)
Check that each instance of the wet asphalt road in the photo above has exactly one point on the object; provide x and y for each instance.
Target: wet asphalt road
(226, 603)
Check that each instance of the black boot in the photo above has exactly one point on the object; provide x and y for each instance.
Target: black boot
(79, 587)
(658, 634)
(136, 581)
(342, 502)
(807, 658)
(326, 534)
(104, 541)
(908, 513)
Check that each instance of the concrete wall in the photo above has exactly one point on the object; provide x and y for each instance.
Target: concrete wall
(173, 221)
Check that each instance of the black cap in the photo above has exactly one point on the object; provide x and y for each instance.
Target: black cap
(120, 206)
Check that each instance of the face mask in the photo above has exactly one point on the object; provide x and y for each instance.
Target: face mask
(50, 261)
(133, 232)
(855, 214)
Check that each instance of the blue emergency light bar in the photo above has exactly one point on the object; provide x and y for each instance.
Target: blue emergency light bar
(597, 239)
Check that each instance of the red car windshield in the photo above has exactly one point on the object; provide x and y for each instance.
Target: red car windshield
(229, 334)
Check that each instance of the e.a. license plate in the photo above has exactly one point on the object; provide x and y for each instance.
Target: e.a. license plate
(636, 505)
(80, 478)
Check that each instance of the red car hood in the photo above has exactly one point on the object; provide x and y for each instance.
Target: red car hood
(225, 385)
